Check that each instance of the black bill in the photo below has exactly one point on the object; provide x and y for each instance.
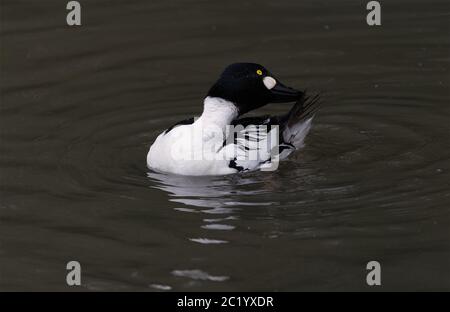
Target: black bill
(280, 94)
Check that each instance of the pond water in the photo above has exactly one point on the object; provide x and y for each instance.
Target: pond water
(80, 107)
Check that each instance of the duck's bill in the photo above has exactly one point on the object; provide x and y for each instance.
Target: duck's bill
(281, 94)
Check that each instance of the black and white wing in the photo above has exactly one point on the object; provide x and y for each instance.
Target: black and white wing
(259, 141)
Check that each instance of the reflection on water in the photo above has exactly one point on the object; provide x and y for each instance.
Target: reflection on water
(209, 191)
(80, 107)
(209, 195)
(200, 275)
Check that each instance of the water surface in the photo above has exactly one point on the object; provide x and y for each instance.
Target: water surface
(80, 107)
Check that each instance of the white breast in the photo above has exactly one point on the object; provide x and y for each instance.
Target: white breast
(195, 149)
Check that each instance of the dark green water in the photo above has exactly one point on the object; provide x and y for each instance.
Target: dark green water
(80, 107)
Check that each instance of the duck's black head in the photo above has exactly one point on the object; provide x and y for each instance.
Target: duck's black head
(250, 86)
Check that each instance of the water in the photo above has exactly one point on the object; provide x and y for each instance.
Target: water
(80, 107)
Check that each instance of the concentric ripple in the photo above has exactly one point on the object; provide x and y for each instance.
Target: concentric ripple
(80, 108)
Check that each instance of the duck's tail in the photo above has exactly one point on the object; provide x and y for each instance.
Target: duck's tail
(297, 122)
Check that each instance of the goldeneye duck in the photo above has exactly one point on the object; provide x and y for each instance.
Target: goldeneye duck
(219, 142)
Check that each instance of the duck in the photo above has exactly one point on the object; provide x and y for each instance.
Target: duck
(220, 141)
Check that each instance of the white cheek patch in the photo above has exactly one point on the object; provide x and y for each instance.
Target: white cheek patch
(269, 82)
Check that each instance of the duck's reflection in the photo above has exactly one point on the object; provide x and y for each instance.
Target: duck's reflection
(219, 194)
(219, 197)
(219, 202)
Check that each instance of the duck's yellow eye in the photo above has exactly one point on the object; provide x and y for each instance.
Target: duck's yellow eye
(259, 72)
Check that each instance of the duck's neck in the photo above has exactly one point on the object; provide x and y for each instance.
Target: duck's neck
(218, 112)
